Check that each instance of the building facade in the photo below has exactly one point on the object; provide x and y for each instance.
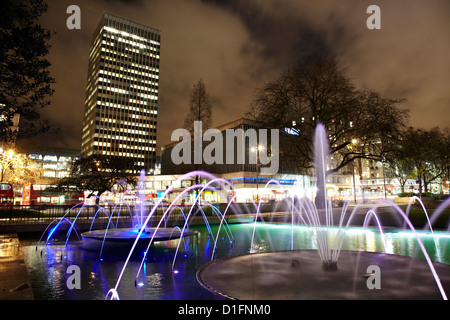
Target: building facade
(243, 139)
(365, 179)
(240, 138)
(121, 105)
(55, 163)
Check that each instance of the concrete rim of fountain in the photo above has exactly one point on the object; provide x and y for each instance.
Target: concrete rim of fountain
(125, 237)
(297, 275)
(130, 234)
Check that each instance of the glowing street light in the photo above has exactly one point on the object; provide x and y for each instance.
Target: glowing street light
(259, 147)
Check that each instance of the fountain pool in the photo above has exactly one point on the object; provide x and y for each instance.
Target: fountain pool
(278, 255)
(158, 280)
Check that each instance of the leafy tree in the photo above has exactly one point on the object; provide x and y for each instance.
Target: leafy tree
(98, 174)
(24, 75)
(16, 169)
(400, 168)
(10, 164)
(427, 151)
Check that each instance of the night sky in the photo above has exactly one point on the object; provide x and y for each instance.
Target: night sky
(236, 46)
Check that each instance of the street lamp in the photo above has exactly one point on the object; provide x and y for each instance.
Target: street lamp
(384, 181)
(354, 142)
(152, 173)
(354, 182)
(255, 150)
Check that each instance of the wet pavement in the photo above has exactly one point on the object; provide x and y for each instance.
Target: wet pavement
(14, 279)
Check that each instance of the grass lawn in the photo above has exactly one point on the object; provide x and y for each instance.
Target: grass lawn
(419, 219)
(391, 218)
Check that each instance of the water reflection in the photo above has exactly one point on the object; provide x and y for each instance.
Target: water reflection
(158, 280)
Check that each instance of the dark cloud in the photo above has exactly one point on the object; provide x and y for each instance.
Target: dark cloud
(238, 45)
(407, 58)
(282, 37)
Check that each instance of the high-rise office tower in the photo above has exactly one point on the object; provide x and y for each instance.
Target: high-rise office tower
(121, 103)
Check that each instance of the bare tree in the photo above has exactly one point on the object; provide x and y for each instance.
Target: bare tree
(200, 107)
(401, 168)
(199, 110)
(360, 124)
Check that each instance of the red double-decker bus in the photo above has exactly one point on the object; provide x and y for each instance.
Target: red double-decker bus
(6, 194)
(43, 194)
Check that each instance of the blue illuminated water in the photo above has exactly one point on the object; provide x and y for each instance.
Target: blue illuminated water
(157, 280)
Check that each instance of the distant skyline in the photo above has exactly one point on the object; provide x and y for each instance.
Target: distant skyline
(236, 46)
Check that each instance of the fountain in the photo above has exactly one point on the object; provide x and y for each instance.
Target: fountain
(326, 271)
(128, 237)
(296, 274)
(141, 236)
(112, 238)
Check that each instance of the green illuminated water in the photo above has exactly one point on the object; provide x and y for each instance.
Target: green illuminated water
(157, 281)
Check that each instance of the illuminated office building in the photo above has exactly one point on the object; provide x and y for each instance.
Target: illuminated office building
(121, 103)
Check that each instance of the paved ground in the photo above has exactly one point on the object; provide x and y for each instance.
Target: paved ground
(14, 280)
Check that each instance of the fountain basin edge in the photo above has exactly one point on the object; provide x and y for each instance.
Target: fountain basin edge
(125, 237)
(297, 275)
